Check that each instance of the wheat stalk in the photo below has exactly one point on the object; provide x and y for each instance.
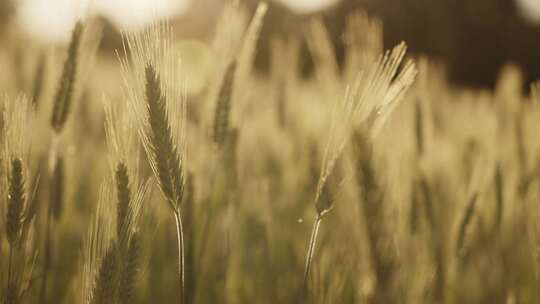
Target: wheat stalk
(367, 102)
(163, 138)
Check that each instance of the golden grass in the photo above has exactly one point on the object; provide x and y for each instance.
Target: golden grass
(358, 184)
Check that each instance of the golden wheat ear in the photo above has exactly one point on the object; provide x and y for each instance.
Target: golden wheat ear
(131, 261)
(40, 77)
(123, 193)
(17, 114)
(165, 158)
(16, 201)
(158, 102)
(16, 145)
(107, 277)
(65, 92)
(223, 107)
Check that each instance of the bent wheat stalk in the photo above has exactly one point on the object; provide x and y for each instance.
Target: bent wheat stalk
(165, 158)
(311, 248)
(368, 101)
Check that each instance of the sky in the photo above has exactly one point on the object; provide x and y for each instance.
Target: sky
(530, 9)
(53, 19)
(306, 6)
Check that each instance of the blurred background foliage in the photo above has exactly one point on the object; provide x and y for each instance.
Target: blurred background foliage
(474, 39)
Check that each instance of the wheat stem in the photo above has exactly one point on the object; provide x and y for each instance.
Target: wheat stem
(311, 249)
(9, 278)
(180, 240)
(46, 259)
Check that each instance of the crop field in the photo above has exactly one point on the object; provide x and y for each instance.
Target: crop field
(172, 171)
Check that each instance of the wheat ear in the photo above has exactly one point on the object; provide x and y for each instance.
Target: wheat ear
(107, 277)
(165, 158)
(65, 91)
(223, 106)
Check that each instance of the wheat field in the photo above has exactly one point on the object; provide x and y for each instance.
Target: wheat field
(174, 172)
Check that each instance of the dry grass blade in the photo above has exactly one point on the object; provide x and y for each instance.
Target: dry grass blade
(464, 225)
